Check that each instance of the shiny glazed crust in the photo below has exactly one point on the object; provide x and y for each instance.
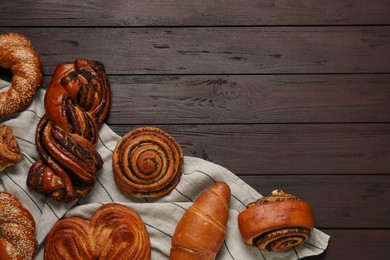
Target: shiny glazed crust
(276, 224)
(18, 55)
(147, 162)
(76, 103)
(9, 148)
(17, 229)
(202, 229)
(113, 232)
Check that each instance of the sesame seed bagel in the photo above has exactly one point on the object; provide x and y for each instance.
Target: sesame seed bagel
(18, 56)
(17, 229)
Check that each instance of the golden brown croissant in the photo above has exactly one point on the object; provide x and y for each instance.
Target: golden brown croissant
(76, 103)
(202, 229)
(276, 223)
(9, 148)
(18, 55)
(114, 232)
(17, 229)
(147, 162)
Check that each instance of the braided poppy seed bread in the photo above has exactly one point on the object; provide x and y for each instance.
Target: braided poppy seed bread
(17, 229)
(76, 103)
(18, 55)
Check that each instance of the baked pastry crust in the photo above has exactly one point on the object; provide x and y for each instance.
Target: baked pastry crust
(17, 229)
(18, 55)
(276, 223)
(9, 148)
(202, 229)
(113, 232)
(76, 103)
(147, 162)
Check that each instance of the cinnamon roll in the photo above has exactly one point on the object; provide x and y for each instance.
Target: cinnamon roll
(113, 232)
(147, 162)
(276, 223)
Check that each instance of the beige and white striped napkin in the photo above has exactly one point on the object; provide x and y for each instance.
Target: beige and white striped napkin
(160, 215)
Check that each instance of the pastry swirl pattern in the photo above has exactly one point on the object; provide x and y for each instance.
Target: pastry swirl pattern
(9, 148)
(147, 162)
(76, 103)
(114, 232)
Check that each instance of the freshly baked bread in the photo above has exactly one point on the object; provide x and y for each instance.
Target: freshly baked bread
(114, 232)
(9, 148)
(17, 229)
(276, 223)
(202, 229)
(76, 103)
(18, 55)
(147, 162)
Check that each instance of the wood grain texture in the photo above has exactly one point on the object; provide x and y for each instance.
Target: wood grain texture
(249, 99)
(338, 201)
(285, 94)
(356, 245)
(286, 148)
(231, 50)
(192, 13)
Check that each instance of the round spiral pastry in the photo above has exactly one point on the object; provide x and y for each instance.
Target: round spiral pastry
(114, 232)
(17, 229)
(276, 223)
(147, 162)
(76, 103)
(18, 55)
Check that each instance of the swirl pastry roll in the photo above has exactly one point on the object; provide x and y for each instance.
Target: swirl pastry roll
(200, 233)
(9, 148)
(113, 232)
(276, 223)
(147, 162)
(76, 103)
(17, 229)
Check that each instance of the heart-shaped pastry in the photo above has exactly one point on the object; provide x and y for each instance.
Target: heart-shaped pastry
(113, 232)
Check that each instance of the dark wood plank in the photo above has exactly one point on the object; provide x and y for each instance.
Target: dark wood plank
(249, 99)
(230, 50)
(192, 13)
(356, 245)
(338, 201)
(287, 148)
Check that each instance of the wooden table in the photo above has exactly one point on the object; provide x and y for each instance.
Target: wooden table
(286, 94)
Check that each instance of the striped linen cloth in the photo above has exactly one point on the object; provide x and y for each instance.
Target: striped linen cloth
(160, 215)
